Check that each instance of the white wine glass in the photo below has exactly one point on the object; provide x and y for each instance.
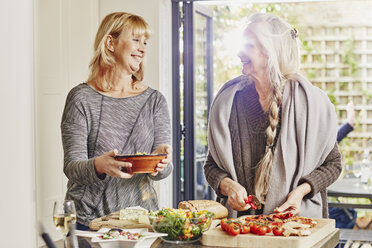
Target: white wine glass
(64, 214)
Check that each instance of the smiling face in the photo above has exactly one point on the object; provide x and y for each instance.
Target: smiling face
(129, 50)
(254, 60)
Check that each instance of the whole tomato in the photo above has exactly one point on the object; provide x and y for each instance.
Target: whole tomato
(245, 228)
(229, 226)
(254, 227)
(261, 230)
(224, 224)
(278, 231)
(233, 229)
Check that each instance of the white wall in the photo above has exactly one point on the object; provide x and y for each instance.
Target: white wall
(64, 36)
(158, 70)
(17, 183)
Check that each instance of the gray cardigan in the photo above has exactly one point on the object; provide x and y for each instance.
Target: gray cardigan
(91, 123)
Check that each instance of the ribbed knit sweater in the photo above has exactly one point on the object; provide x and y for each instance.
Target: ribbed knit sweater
(247, 125)
(93, 124)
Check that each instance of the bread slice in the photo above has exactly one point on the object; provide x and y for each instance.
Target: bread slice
(212, 206)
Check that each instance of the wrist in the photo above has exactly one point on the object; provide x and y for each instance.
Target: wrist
(225, 186)
(97, 167)
(304, 189)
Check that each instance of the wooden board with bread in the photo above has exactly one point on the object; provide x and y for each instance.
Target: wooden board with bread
(136, 217)
(125, 218)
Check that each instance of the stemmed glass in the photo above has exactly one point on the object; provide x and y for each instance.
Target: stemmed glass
(64, 214)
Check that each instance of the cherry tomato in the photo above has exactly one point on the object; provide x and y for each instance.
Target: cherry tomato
(262, 230)
(254, 227)
(228, 226)
(268, 229)
(245, 228)
(278, 231)
(234, 229)
(223, 224)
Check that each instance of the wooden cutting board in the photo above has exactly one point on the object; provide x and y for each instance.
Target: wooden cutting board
(113, 221)
(216, 237)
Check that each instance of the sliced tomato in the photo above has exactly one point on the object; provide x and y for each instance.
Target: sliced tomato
(283, 216)
(276, 223)
(253, 205)
(289, 215)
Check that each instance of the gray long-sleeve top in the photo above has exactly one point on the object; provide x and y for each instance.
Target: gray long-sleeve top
(93, 124)
(248, 123)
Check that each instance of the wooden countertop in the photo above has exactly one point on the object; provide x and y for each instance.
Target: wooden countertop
(328, 242)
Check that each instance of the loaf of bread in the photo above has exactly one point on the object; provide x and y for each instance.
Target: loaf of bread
(199, 205)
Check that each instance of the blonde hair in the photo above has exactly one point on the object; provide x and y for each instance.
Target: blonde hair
(279, 42)
(103, 62)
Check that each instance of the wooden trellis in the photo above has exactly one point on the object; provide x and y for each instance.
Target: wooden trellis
(338, 59)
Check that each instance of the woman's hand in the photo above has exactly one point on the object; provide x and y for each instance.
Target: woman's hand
(235, 193)
(293, 203)
(107, 163)
(162, 149)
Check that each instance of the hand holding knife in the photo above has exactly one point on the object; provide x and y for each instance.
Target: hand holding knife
(253, 202)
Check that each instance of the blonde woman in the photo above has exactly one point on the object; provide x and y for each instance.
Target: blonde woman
(272, 134)
(114, 112)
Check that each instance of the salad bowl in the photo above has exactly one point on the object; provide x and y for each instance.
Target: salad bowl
(182, 226)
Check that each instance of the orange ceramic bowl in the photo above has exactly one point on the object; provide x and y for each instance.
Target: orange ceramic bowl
(141, 163)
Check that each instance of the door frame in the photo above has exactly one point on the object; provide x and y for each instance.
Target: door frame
(183, 13)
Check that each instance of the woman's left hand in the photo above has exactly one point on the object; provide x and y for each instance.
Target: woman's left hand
(294, 199)
(162, 149)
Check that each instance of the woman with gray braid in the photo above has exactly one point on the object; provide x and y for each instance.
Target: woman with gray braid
(271, 132)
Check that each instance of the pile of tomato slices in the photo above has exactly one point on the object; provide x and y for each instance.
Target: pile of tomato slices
(256, 224)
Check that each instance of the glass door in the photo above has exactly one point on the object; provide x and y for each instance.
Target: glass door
(203, 90)
(192, 95)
